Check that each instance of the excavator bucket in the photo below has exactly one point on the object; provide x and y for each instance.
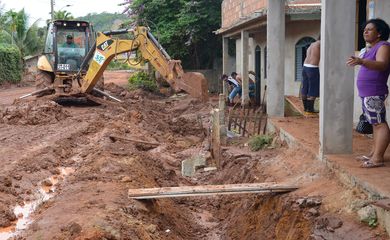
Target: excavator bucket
(195, 84)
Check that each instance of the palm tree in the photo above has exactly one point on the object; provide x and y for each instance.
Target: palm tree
(63, 15)
(24, 37)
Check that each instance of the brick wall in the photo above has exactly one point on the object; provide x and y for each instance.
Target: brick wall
(234, 10)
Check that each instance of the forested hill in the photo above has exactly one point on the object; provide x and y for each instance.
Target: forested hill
(105, 21)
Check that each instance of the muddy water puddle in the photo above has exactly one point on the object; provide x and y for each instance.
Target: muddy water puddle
(44, 193)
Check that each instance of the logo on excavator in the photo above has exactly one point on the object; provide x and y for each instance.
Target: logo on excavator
(99, 58)
(105, 45)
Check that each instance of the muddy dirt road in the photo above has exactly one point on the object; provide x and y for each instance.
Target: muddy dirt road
(63, 177)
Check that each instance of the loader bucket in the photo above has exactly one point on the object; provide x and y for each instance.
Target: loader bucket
(195, 84)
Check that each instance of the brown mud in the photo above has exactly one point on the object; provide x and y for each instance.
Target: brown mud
(39, 138)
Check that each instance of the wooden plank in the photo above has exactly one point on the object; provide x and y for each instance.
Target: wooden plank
(246, 114)
(235, 119)
(265, 125)
(207, 190)
(229, 119)
(260, 121)
(241, 125)
(255, 118)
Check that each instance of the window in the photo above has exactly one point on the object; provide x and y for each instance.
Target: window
(300, 55)
(71, 48)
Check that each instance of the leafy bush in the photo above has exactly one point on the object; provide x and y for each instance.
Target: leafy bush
(259, 142)
(10, 63)
(5, 37)
(118, 65)
(143, 81)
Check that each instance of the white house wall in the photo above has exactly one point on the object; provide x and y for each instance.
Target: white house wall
(294, 32)
(251, 61)
(238, 55)
(381, 9)
(259, 40)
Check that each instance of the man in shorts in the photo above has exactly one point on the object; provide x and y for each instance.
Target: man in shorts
(311, 77)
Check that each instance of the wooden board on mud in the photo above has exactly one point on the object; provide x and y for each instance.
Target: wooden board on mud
(187, 191)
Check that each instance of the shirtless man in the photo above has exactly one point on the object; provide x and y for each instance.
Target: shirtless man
(311, 77)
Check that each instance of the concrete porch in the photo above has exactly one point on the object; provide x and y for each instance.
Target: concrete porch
(303, 132)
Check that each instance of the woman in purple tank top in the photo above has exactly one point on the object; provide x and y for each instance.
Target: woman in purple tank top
(372, 86)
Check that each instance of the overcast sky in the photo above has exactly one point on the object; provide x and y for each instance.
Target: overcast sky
(41, 8)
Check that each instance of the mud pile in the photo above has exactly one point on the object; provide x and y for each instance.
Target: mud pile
(107, 146)
(38, 112)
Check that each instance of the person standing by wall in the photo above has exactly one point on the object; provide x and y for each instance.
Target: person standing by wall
(311, 77)
(372, 86)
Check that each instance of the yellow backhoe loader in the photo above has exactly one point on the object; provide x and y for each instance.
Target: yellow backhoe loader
(71, 69)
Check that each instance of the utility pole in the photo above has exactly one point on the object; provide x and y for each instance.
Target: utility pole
(52, 9)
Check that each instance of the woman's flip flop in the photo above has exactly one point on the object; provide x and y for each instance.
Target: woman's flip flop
(370, 164)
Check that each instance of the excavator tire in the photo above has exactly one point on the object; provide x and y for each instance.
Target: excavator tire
(43, 80)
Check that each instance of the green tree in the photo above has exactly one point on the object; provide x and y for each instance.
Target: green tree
(63, 15)
(185, 28)
(26, 38)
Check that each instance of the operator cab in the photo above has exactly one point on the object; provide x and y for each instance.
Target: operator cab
(68, 42)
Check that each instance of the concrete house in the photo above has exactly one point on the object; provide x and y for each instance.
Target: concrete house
(303, 24)
(270, 38)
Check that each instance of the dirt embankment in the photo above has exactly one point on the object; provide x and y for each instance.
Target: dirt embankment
(32, 113)
(39, 138)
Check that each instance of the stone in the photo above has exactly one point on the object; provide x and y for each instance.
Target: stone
(18, 177)
(6, 181)
(334, 222)
(301, 202)
(312, 202)
(47, 183)
(208, 169)
(367, 214)
(199, 161)
(74, 229)
(151, 228)
(314, 212)
(189, 166)
(126, 179)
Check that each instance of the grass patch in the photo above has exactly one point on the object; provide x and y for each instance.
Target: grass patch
(142, 80)
(259, 142)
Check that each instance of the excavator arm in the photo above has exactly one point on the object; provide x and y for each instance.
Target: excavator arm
(171, 70)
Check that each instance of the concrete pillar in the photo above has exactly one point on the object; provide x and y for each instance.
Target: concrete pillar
(222, 126)
(222, 108)
(244, 46)
(336, 83)
(275, 63)
(225, 63)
